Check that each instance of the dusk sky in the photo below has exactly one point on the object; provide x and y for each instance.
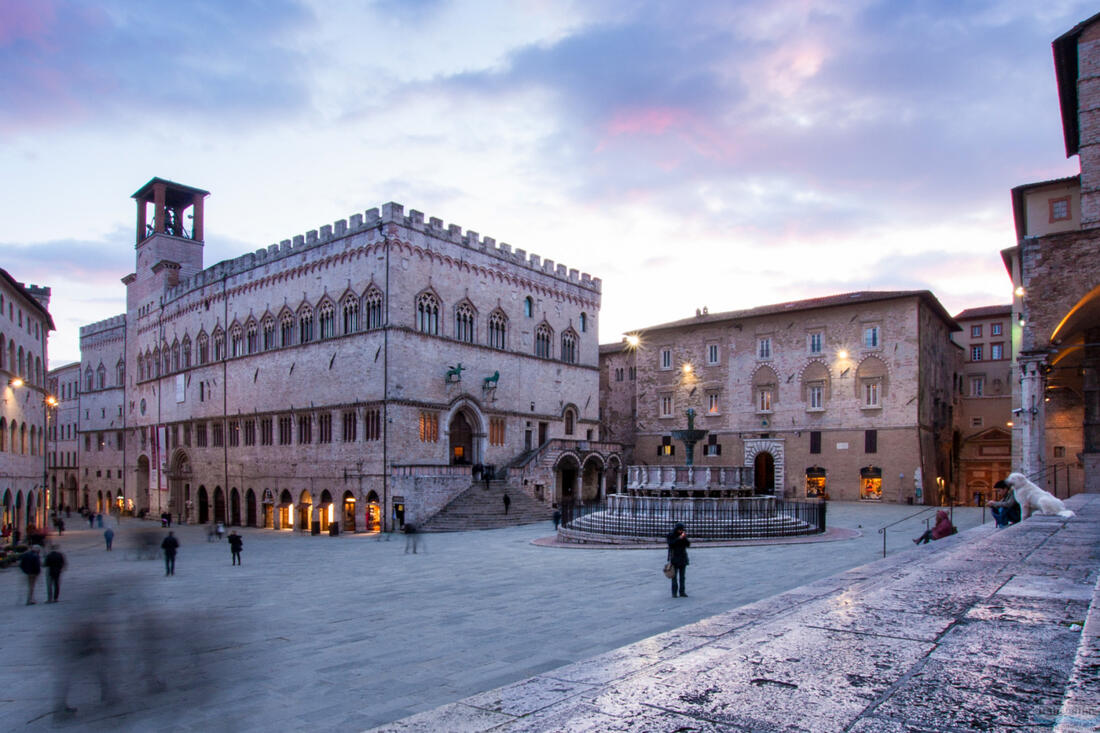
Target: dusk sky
(721, 154)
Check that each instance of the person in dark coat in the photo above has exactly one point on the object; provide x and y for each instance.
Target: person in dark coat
(1006, 510)
(55, 563)
(31, 565)
(942, 529)
(109, 537)
(678, 543)
(236, 542)
(507, 503)
(170, 546)
(556, 517)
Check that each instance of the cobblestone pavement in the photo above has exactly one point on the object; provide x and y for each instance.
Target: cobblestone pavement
(346, 633)
(990, 630)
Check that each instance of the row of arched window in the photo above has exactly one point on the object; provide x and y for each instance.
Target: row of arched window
(354, 314)
(98, 380)
(19, 439)
(429, 308)
(19, 362)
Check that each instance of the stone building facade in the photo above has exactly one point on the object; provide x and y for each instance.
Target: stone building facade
(849, 396)
(983, 421)
(25, 324)
(1055, 271)
(358, 375)
(62, 439)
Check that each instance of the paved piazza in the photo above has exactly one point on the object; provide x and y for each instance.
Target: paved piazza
(347, 633)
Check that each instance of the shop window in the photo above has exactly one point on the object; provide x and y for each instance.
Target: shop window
(666, 448)
(815, 483)
(870, 483)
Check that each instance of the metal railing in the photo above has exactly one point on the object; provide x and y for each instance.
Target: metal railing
(882, 530)
(763, 516)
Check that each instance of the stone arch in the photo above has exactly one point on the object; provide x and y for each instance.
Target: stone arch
(326, 512)
(234, 507)
(204, 505)
(775, 449)
(764, 377)
(567, 473)
(569, 415)
(142, 473)
(592, 478)
(872, 370)
(219, 505)
(250, 508)
(347, 520)
(815, 372)
(304, 510)
(466, 430)
(373, 513)
(613, 474)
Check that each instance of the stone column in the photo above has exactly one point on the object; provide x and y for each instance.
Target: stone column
(1029, 417)
(1091, 394)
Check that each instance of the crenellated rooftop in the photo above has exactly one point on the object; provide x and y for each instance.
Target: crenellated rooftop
(390, 213)
(105, 325)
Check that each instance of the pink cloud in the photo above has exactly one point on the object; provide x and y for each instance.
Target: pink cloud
(31, 21)
(646, 121)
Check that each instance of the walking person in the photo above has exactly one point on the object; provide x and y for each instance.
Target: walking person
(170, 546)
(678, 543)
(31, 565)
(556, 517)
(507, 502)
(236, 542)
(109, 537)
(411, 538)
(55, 563)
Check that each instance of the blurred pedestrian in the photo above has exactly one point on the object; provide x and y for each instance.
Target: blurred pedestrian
(31, 565)
(507, 502)
(678, 556)
(99, 520)
(411, 538)
(170, 545)
(236, 542)
(109, 537)
(55, 563)
(557, 517)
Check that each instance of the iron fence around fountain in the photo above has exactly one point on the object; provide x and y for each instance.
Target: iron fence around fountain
(705, 520)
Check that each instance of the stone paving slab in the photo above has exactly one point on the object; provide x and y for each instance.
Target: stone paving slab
(984, 633)
(349, 632)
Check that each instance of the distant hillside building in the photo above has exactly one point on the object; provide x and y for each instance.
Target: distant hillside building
(984, 416)
(1055, 270)
(849, 396)
(356, 376)
(25, 323)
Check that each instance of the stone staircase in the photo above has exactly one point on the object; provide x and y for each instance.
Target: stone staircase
(483, 508)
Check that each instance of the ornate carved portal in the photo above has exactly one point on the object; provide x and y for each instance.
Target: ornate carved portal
(758, 453)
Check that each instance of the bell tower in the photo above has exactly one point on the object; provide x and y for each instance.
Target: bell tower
(168, 240)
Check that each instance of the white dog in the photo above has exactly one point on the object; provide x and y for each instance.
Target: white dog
(1031, 498)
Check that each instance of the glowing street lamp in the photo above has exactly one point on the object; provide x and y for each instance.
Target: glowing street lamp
(16, 382)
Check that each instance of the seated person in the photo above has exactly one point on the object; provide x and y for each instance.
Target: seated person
(942, 529)
(1005, 510)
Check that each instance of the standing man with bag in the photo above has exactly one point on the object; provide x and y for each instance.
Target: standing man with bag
(170, 546)
(678, 557)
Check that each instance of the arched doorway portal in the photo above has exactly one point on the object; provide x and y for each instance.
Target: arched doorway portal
(591, 479)
(764, 473)
(235, 507)
(461, 440)
(250, 508)
(204, 506)
(305, 507)
(373, 513)
(349, 512)
(566, 474)
(324, 515)
(142, 491)
(179, 473)
(8, 509)
(286, 511)
(219, 504)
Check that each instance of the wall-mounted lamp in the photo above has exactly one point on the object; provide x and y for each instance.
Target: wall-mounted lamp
(16, 382)
(687, 368)
(1019, 291)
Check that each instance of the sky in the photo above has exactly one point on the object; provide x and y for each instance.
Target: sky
(726, 154)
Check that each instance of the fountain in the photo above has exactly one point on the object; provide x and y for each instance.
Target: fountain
(714, 502)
